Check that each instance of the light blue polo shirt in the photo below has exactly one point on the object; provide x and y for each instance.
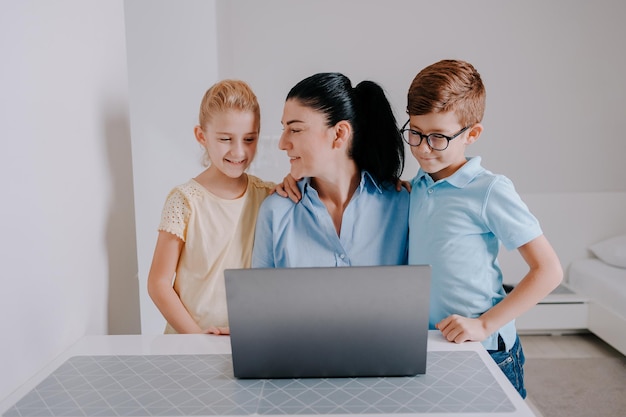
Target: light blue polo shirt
(456, 225)
(374, 229)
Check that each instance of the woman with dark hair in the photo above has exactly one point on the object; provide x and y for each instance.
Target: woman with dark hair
(346, 146)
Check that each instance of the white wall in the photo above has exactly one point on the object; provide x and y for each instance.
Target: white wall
(172, 60)
(553, 70)
(572, 222)
(68, 251)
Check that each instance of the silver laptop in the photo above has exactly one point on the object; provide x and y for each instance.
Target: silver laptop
(325, 322)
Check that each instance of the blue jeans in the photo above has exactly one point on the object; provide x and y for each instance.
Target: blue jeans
(511, 363)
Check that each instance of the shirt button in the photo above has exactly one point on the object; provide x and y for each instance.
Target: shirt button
(342, 256)
(430, 191)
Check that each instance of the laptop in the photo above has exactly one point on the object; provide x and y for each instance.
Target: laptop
(323, 322)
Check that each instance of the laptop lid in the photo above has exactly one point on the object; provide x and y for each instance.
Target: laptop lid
(328, 321)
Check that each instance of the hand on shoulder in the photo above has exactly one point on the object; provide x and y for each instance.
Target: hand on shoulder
(289, 189)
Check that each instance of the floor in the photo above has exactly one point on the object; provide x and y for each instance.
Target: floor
(583, 345)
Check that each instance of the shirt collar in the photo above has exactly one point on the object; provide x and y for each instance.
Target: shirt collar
(462, 176)
(366, 179)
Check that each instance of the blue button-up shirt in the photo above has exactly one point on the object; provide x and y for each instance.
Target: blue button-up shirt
(374, 229)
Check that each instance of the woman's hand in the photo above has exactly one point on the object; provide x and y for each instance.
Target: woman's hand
(403, 184)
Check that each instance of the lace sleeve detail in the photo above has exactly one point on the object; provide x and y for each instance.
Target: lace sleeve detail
(175, 214)
(267, 186)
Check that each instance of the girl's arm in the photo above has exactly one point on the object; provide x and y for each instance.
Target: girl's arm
(545, 274)
(164, 262)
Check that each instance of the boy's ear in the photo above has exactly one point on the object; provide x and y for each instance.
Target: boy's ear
(343, 133)
(474, 133)
(199, 134)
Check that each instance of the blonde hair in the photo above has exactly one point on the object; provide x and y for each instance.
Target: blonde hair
(448, 85)
(228, 95)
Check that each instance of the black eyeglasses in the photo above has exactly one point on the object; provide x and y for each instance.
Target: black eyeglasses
(436, 141)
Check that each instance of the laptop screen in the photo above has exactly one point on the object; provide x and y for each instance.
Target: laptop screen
(328, 321)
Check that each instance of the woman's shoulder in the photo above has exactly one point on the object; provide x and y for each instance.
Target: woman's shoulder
(388, 191)
(276, 205)
(399, 199)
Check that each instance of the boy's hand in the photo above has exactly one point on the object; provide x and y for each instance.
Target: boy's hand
(459, 329)
(289, 188)
(218, 330)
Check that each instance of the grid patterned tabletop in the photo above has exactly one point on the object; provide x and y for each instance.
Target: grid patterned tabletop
(179, 385)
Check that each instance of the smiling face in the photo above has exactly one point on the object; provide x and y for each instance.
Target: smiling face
(442, 164)
(307, 139)
(230, 139)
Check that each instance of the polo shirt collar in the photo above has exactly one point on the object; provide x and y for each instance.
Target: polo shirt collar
(463, 176)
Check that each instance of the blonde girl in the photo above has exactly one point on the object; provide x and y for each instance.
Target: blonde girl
(207, 224)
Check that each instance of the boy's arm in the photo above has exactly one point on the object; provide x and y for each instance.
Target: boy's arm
(162, 270)
(544, 275)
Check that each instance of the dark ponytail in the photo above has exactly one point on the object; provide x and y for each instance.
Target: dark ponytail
(377, 145)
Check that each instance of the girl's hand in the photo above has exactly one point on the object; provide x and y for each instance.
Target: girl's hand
(218, 330)
(289, 188)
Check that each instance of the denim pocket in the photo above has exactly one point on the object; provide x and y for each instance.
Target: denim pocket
(512, 365)
(504, 361)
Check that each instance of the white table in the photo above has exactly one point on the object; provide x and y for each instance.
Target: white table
(460, 379)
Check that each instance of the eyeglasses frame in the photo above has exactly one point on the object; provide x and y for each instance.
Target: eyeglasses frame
(422, 136)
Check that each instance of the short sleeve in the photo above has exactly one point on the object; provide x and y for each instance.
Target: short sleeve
(175, 214)
(508, 216)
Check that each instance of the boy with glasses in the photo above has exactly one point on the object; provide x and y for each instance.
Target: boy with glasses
(460, 213)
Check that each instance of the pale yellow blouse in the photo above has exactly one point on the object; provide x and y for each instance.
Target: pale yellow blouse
(218, 234)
